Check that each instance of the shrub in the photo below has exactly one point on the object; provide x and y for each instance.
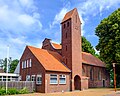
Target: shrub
(23, 91)
(12, 91)
(2, 91)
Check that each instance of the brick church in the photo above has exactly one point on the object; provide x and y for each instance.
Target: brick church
(58, 68)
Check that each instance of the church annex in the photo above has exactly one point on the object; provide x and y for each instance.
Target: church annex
(58, 68)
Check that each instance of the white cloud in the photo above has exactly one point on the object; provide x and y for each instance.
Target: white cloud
(58, 17)
(94, 7)
(18, 19)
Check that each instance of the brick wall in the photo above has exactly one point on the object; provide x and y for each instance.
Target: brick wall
(96, 81)
(36, 68)
(57, 87)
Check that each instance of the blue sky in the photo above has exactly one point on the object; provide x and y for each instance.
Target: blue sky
(28, 22)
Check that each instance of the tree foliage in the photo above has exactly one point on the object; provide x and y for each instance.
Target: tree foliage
(108, 32)
(87, 47)
(13, 65)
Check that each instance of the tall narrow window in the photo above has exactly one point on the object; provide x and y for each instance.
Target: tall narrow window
(64, 25)
(30, 65)
(67, 24)
(53, 79)
(27, 77)
(66, 61)
(76, 18)
(39, 79)
(66, 47)
(99, 75)
(27, 63)
(83, 71)
(66, 34)
(91, 74)
(22, 64)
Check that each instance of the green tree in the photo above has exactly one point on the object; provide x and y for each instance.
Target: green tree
(108, 32)
(13, 65)
(87, 47)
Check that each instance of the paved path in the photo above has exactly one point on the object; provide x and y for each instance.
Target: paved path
(89, 92)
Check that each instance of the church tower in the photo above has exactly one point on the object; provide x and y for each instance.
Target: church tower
(71, 47)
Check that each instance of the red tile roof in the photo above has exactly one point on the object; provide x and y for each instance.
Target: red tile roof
(68, 15)
(56, 46)
(51, 61)
(89, 59)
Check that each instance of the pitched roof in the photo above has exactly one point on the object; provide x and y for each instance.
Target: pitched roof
(51, 61)
(68, 15)
(56, 46)
(88, 58)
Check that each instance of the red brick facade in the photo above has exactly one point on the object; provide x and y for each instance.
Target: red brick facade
(70, 60)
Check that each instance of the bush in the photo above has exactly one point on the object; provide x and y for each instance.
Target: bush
(2, 91)
(23, 91)
(12, 91)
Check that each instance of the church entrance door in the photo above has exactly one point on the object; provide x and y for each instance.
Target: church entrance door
(77, 82)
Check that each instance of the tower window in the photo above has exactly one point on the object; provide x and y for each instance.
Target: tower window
(66, 61)
(67, 24)
(76, 18)
(66, 48)
(66, 34)
(64, 25)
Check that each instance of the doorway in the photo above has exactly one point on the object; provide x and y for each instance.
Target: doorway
(103, 83)
(77, 82)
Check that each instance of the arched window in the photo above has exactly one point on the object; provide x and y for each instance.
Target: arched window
(83, 71)
(91, 74)
(99, 75)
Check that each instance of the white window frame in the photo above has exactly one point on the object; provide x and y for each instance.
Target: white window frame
(27, 63)
(33, 76)
(40, 79)
(62, 77)
(30, 63)
(22, 64)
(27, 77)
(53, 76)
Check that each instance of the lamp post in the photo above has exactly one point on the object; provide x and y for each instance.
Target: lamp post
(7, 69)
(114, 77)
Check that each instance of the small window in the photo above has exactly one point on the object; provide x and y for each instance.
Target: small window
(39, 79)
(66, 47)
(67, 24)
(30, 63)
(62, 79)
(64, 25)
(33, 78)
(53, 79)
(27, 77)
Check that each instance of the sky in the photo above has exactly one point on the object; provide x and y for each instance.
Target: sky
(29, 22)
